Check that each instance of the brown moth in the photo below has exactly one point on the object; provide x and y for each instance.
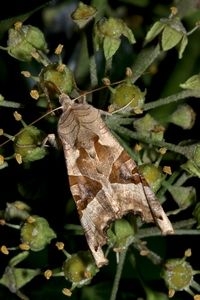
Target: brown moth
(104, 179)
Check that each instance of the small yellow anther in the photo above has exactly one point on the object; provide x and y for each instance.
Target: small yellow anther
(4, 250)
(58, 49)
(60, 245)
(47, 274)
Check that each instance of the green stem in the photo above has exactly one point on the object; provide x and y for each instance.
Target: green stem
(183, 178)
(187, 232)
(178, 227)
(194, 29)
(43, 58)
(93, 72)
(15, 226)
(186, 151)
(11, 104)
(144, 60)
(108, 66)
(172, 99)
(4, 48)
(118, 274)
(21, 295)
(142, 248)
(167, 184)
(88, 35)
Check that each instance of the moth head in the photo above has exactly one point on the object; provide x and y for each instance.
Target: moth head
(65, 100)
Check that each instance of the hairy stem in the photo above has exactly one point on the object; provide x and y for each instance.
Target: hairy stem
(144, 60)
(186, 151)
(172, 99)
(10, 104)
(118, 274)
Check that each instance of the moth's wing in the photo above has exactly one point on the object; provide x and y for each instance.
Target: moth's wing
(104, 180)
(106, 188)
(93, 203)
(137, 196)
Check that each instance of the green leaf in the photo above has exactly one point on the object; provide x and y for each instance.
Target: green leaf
(145, 58)
(183, 45)
(154, 31)
(127, 32)
(18, 258)
(193, 83)
(170, 38)
(15, 278)
(110, 46)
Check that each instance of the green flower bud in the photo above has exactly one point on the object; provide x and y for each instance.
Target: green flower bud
(184, 196)
(154, 295)
(192, 83)
(17, 209)
(193, 165)
(24, 40)
(35, 154)
(177, 274)
(149, 127)
(170, 37)
(26, 144)
(119, 233)
(108, 33)
(83, 14)
(153, 175)
(172, 33)
(36, 233)
(183, 116)
(191, 168)
(127, 94)
(15, 278)
(111, 27)
(60, 75)
(80, 268)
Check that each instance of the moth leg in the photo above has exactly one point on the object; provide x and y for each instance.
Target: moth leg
(51, 140)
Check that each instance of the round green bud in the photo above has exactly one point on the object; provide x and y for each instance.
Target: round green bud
(118, 234)
(153, 175)
(178, 274)
(26, 144)
(127, 94)
(111, 27)
(60, 76)
(80, 268)
(37, 233)
(24, 40)
(83, 14)
(184, 116)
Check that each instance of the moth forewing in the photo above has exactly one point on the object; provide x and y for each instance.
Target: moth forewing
(104, 179)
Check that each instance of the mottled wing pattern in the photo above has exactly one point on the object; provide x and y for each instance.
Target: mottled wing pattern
(104, 180)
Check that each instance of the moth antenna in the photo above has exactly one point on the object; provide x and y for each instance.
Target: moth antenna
(123, 108)
(84, 94)
(30, 124)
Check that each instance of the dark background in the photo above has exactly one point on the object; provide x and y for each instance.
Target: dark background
(45, 183)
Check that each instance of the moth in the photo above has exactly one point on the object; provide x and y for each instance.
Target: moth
(104, 180)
